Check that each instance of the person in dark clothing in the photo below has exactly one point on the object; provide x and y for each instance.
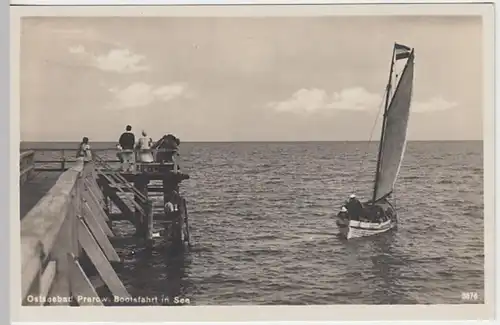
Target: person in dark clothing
(127, 139)
(343, 217)
(379, 214)
(170, 144)
(343, 213)
(354, 207)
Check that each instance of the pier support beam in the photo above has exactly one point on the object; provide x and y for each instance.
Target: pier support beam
(141, 224)
(106, 201)
(149, 224)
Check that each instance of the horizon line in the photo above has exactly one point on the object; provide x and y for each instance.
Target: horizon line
(262, 141)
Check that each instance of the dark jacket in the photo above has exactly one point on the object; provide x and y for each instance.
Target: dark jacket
(127, 141)
(343, 215)
(354, 207)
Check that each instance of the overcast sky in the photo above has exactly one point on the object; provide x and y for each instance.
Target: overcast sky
(244, 79)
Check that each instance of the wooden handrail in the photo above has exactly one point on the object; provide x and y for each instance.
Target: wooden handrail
(26, 165)
(96, 150)
(26, 153)
(43, 223)
(53, 234)
(71, 161)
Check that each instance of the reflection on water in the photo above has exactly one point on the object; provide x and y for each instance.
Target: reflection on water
(158, 273)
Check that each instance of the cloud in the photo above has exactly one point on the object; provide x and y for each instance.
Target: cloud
(116, 60)
(358, 99)
(432, 105)
(314, 100)
(142, 94)
(78, 49)
(121, 60)
(308, 101)
(303, 101)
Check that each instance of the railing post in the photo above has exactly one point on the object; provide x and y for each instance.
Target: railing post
(174, 160)
(63, 161)
(149, 217)
(26, 165)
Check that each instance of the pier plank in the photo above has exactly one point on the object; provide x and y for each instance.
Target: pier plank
(81, 286)
(100, 235)
(94, 189)
(99, 260)
(47, 279)
(97, 213)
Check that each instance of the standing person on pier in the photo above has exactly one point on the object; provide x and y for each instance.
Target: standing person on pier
(84, 150)
(127, 139)
(127, 142)
(144, 146)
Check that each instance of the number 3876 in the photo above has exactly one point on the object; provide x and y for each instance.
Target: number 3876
(470, 296)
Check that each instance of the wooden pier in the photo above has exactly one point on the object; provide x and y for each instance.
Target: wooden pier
(70, 230)
(26, 166)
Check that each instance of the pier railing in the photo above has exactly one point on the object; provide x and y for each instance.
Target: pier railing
(26, 166)
(67, 221)
(64, 163)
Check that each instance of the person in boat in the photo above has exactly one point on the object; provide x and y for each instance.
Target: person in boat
(343, 217)
(354, 207)
(127, 143)
(379, 213)
(343, 213)
(84, 150)
(144, 145)
(389, 213)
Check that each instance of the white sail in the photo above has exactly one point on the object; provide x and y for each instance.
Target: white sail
(394, 138)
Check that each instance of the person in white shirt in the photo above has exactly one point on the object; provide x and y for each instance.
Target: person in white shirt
(144, 146)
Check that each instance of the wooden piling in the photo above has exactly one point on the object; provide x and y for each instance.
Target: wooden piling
(141, 184)
(149, 224)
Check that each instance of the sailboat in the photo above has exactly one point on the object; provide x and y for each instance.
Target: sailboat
(378, 215)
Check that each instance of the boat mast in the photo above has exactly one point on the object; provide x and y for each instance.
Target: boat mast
(387, 97)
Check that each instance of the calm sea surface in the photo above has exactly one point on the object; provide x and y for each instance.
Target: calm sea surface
(260, 216)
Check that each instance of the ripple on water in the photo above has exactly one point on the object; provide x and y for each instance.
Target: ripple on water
(260, 217)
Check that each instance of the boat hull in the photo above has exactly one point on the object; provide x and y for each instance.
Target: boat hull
(356, 229)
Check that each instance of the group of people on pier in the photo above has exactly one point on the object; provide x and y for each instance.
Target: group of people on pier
(142, 150)
(130, 150)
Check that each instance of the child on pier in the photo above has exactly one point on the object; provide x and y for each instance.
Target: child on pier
(84, 150)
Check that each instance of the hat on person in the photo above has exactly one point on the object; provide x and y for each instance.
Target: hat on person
(352, 196)
(343, 209)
